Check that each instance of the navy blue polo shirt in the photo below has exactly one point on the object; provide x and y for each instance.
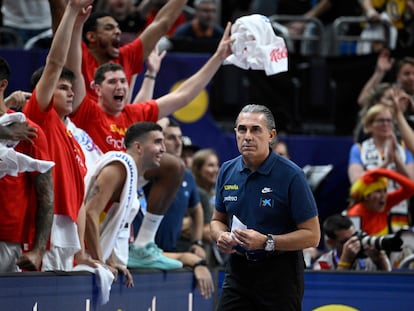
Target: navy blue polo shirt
(273, 199)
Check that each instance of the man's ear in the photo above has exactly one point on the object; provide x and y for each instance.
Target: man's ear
(3, 85)
(272, 136)
(90, 37)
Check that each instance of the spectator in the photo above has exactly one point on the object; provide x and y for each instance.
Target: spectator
(399, 105)
(268, 195)
(205, 167)
(26, 200)
(202, 31)
(26, 18)
(383, 93)
(381, 150)
(392, 13)
(280, 148)
(347, 252)
(188, 151)
(404, 74)
(50, 102)
(371, 202)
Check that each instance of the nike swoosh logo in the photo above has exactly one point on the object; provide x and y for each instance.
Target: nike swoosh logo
(266, 190)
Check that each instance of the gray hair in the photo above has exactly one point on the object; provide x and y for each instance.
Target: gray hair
(254, 108)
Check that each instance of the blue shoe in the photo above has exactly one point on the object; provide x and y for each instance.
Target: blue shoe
(151, 256)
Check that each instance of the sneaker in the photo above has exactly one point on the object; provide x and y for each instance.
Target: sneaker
(151, 256)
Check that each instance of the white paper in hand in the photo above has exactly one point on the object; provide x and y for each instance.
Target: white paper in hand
(236, 224)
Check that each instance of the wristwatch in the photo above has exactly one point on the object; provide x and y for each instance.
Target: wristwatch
(269, 245)
(198, 242)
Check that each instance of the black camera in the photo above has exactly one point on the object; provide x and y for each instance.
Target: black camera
(388, 243)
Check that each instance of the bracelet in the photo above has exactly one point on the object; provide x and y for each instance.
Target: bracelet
(147, 75)
(198, 242)
(344, 264)
(201, 262)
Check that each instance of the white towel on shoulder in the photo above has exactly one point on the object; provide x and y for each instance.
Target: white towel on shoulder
(114, 229)
(256, 46)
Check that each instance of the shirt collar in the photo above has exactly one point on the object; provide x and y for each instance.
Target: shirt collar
(266, 166)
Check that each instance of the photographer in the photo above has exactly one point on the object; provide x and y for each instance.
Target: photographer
(348, 252)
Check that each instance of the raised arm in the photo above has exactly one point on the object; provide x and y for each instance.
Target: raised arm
(58, 53)
(146, 92)
(402, 101)
(384, 64)
(163, 21)
(194, 85)
(74, 60)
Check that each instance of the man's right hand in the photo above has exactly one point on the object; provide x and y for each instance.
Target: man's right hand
(351, 249)
(19, 131)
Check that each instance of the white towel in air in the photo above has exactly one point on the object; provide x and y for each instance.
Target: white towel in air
(256, 46)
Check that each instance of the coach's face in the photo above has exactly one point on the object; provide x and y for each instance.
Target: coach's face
(253, 136)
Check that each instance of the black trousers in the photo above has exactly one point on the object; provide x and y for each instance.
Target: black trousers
(272, 284)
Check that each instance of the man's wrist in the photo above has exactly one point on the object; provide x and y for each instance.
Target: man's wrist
(198, 242)
(201, 262)
(150, 76)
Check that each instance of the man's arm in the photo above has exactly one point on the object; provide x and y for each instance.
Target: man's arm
(201, 272)
(163, 21)
(193, 86)
(384, 64)
(197, 217)
(58, 52)
(168, 180)
(44, 194)
(74, 60)
(146, 91)
(105, 188)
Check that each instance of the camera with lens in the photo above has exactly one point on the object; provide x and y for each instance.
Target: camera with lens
(387, 243)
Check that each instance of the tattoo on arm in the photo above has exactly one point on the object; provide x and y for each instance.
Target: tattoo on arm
(45, 207)
(92, 192)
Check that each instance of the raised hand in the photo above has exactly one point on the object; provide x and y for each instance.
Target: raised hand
(224, 47)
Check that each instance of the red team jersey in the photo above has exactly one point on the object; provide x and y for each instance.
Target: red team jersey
(108, 131)
(69, 169)
(18, 196)
(130, 57)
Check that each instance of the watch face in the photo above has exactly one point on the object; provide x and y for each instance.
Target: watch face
(270, 244)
